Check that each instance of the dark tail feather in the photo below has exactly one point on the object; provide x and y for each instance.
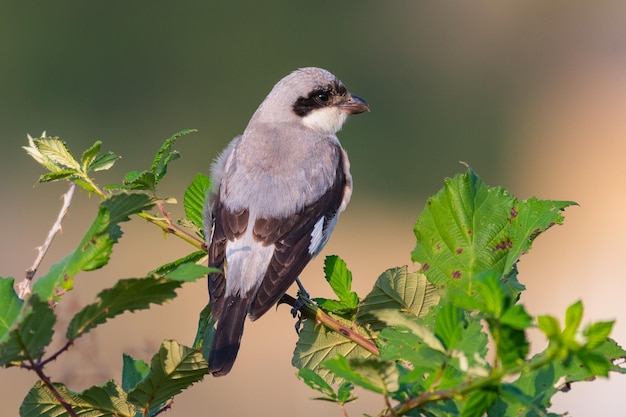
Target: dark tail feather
(227, 336)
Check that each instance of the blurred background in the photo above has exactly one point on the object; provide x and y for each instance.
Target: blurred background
(531, 94)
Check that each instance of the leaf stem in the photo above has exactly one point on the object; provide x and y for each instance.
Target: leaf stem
(169, 226)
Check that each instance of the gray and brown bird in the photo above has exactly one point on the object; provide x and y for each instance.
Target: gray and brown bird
(277, 191)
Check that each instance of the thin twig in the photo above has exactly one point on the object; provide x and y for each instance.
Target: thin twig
(48, 383)
(316, 313)
(24, 287)
(169, 226)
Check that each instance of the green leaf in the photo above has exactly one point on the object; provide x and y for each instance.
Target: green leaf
(403, 345)
(190, 271)
(103, 162)
(205, 332)
(126, 295)
(468, 228)
(394, 318)
(95, 248)
(513, 346)
(516, 317)
(106, 400)
(398, 289)
(195, 197)
(43, 160)
(596, 364)
(56, 151)
(165, 155)
(316, 344)
(573, 318)
(173, 369)
(549, 326)
(163, 270)
(370, 373)
(133, 372)
(479, 402)
(26, 326)
(10, 306)
(597, 333)
(136, 180)
(340, 280)
(449, 323)
(90, 155)
(316, 382)
(490, 293)
(344, 393)
(61, 174)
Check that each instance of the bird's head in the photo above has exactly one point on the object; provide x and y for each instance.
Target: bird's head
(313, 97)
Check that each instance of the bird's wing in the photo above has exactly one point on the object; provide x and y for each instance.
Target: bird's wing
(296, 239)
(227, 226)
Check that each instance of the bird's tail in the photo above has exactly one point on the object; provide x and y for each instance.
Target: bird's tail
(227, 336)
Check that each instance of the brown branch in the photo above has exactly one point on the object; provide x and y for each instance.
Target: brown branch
(313, 312)
(24, 287)
(48, 383)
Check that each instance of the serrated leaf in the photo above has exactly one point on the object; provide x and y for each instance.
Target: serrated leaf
(369, 373)
(549, 326)
(10, 306)
(395, 318)
(103, 162)
(107, 400)
(174, 368)
(26, 327)
(90, 155)
(573, 318)
(133, 372)
(479, 402)
(340, 279)
(95, 248)
(56, 175)
(596, 364)
(163, 270)
(512, 346)
(316, 382)
(449, 323)
(468, 228)
(190, 271)
(344, 393)
(165, 155)
(489, 293)
(126, 295)
(43, 160)
(136, 180)
(195, 197)
(56, 151)
(516, 317)
(316, 344)
(403, 345)
(205, 332)
(397, 288)
(614, 353)
(597, 333)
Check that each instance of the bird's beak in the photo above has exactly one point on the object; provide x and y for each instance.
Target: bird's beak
(354, 105)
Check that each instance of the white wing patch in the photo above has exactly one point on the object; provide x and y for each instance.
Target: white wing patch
(246, 263)
(317, 237)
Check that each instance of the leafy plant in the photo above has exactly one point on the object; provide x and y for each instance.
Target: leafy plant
(447, 339)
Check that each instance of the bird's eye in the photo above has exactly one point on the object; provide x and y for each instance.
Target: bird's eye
(323, 97)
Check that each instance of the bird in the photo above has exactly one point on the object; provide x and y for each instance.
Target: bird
(275, 196)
